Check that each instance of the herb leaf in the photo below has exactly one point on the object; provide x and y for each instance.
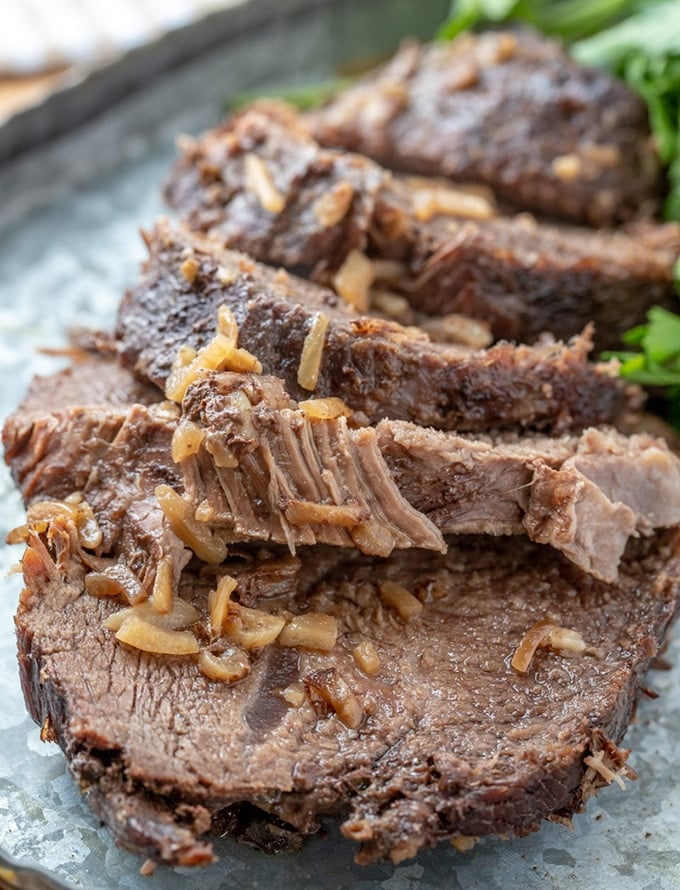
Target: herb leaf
(303, 97)
(568, 19)
(658, 363)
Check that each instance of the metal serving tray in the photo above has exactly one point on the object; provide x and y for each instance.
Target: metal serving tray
(69, 245)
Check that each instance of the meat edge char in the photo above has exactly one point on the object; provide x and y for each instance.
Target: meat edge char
(516, 275)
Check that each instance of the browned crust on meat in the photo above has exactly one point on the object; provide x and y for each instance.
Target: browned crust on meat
(510, 110)
(377, 367)
(519, 276)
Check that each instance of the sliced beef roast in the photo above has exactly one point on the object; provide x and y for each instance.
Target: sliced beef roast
(258, 467)
(259, 184)
(435, 737)
(510, 110)
(378, 367)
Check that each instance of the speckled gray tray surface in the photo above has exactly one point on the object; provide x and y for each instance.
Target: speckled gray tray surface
(68, 247)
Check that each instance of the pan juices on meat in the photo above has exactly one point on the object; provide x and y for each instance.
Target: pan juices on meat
(315, 564)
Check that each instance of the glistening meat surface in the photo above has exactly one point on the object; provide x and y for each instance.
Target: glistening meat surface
(257, 466)
(93, 430)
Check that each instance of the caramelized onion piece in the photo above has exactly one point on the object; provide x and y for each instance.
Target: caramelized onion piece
(440, 200)
(116, 580)
(390, 304)
(186, 440)
(228, 668)
(564, 639)
(335, 691)
(325, 409)
(294, 695)
(220, 354)
(545, 633)
(18, 535)
(372, 537)
(189, 269)
(144, 635)
(353, 280)
(218, 603)
(252, 628)
(163, 586)
(567, 167)
(222, 455)
(312, 351)
(72, 508)
(205, 512)
(397, 597)
(458, 329)
(182, 615)
(331, 207)
(226, 276)
(308, 512)
(313, 630)
(89, 534)
(226, 323)
(196, 535)
(259, 180)
(532, 639)
(367, 658)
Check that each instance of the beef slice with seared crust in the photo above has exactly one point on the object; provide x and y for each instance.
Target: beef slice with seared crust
(259, 466)
(378, 367)
(510, 110)
(454, 252)
(93, 431)
(255, 466)
(452, 741)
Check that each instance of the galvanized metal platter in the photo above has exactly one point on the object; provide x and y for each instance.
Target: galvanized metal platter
(69, 245)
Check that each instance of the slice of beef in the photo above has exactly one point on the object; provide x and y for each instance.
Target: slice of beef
(92, 430)
(266, 469)
(448, 740)
(329, 196)
(457, 255)
(282, 469)
(94, 380)
(378, 367)
(510, 110)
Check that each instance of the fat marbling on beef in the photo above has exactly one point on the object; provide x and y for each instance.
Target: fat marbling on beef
(449, 252)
